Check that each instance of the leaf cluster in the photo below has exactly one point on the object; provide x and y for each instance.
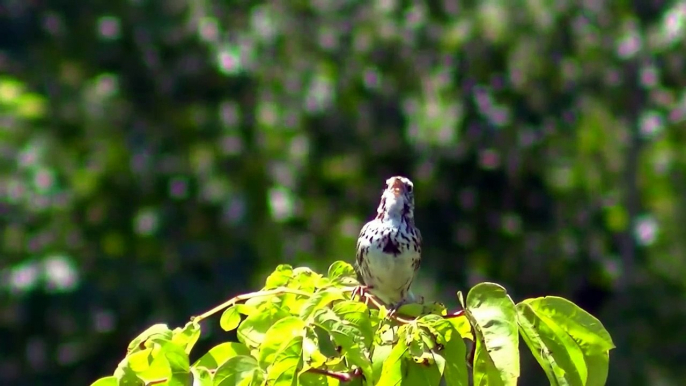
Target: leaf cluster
(304, 329)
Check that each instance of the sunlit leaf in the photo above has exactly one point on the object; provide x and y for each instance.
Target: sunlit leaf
(106, 381)
(230, 319)
(320, 300)
(187, 336)
(279, 277)
(340, 269)
(278, 334)
(239, 370)
(583, 327)
(453, 347)
(285, 367)
(251, 331)
(558, 355)
(570, 344)
(346, 336)
(219, 354)
(201, 376)
(495, 321)
(393, 368)
(357, 314)
(154, 331)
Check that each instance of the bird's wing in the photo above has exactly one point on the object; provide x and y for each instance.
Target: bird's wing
(358, 255)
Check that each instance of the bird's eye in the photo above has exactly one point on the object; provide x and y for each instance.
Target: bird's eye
(409, 188)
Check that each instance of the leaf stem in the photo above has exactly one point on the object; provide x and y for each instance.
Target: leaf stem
(248, 296)
(341, 376)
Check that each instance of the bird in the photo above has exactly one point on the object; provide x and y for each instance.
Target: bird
(389, 246)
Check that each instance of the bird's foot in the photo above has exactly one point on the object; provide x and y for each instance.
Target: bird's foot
(362, 291)
(394, 308)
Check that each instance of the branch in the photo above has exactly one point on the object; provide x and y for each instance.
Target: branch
(248, 296)
(341, 376)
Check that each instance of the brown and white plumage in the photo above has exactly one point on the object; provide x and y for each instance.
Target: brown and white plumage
(389, 247)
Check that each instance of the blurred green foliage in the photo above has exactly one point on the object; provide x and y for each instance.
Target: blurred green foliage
(158, 156)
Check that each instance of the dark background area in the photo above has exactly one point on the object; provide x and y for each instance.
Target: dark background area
(158, 157)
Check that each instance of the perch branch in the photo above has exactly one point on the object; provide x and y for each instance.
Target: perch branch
(248, 296)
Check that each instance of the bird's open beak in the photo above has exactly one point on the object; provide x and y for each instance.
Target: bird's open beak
(397, 187)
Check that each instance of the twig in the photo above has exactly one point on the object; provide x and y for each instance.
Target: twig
(243, 297)
(341, 376)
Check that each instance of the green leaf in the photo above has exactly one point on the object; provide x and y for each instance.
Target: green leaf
(239, 370)
(287, 362)
(230, 319)
(340, 270)
(346, 336)
(392, 369)
(494, 318)
(150, 364)
(279, 277)
(177, 357)
(319, 300)
(201, 376)
(126, 376)
(106, 381)
(245, 309)
(305, 279)
(187, 336)
(379, 357)
(219, 354)
(583, 327)
(454, 349)
(251, 331)
(155, 331)
(598, 366)
(279, 334)
(313, 379)
(357, 314)
(461, 324)
(417, 374)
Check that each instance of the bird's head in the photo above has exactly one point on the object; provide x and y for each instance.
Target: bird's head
(397, 200)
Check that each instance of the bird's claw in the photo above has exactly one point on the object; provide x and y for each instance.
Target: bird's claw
(361, 291)
(394, 309)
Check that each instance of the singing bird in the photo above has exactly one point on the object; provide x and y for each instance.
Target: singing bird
(389, 247)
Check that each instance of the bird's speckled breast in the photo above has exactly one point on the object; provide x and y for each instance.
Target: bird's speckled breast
(391, 255)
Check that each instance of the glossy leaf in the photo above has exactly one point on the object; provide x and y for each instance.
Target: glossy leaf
(571, 345)
(106, 381)
(230, 319)
(155, 331)
(392, 370)
(187, 336)
(280, 333)
(239, 370)
(340, 270)
(586, 329)
(280, 277)
(287, 362)
(453, 347)
(357, 314)
(320, 300)
(219, 354)
(558, 355)
(346, 336)
(494, 319)
(251, 331)
(201, 376)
